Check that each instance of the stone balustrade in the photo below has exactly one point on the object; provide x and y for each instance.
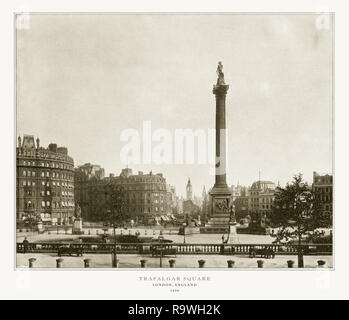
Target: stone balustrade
(177, 248)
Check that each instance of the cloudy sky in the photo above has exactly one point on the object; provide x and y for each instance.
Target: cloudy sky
(83, 79)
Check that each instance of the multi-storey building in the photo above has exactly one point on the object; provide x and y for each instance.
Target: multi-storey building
(89, 190)
(323, 189)
(180, 205)
(172, 198)
(261, 196)
(145, 196)
(44, 182)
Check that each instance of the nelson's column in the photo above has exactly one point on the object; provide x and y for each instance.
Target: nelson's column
(222, 218)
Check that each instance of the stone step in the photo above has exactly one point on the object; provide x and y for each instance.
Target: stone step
(212, 223)
(219, 216)
(220, 219)
(216, 230)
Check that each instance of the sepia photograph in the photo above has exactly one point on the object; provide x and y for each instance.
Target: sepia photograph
(174, 141)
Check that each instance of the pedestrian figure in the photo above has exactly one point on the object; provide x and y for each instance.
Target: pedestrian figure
(223, 238)
(25, 245)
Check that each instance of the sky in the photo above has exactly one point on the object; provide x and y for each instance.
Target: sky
(84, 79)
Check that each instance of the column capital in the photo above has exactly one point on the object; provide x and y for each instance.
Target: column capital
(219, 89)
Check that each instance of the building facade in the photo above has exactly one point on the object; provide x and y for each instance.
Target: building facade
(261, 196)
(323, 190)
(146, 197)
(44, 182)
(240, 201)
(172, 198)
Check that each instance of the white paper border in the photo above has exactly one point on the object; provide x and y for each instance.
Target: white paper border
(125, 285)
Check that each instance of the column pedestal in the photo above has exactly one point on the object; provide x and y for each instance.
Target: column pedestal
(220, 208)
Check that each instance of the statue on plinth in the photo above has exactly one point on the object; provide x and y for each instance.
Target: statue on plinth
(77, 224)
(77, 212)
(232, 219)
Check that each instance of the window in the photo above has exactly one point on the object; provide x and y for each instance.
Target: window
(42, 164)
(24, 173)
(33, 173)
(24, 183)
(33, 183)
(47, 192)
(42, 174)
(47, 174)
(47, 203)
(29, 174)
(43, 204)
(53, 175)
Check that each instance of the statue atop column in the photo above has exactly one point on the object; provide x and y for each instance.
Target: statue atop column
(220, 87)
(220, 74)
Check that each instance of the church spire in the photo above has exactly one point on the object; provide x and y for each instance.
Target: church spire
(189, 190)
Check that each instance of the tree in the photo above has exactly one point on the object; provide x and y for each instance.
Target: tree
(115, 202)
(298, 214)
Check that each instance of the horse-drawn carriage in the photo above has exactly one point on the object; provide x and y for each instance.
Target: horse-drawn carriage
(70, 250)
(262, 252)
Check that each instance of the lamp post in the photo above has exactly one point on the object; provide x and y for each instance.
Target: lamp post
(184, 225)
(114, 256)
(161, 237)
(115, 261)
(116, 206)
